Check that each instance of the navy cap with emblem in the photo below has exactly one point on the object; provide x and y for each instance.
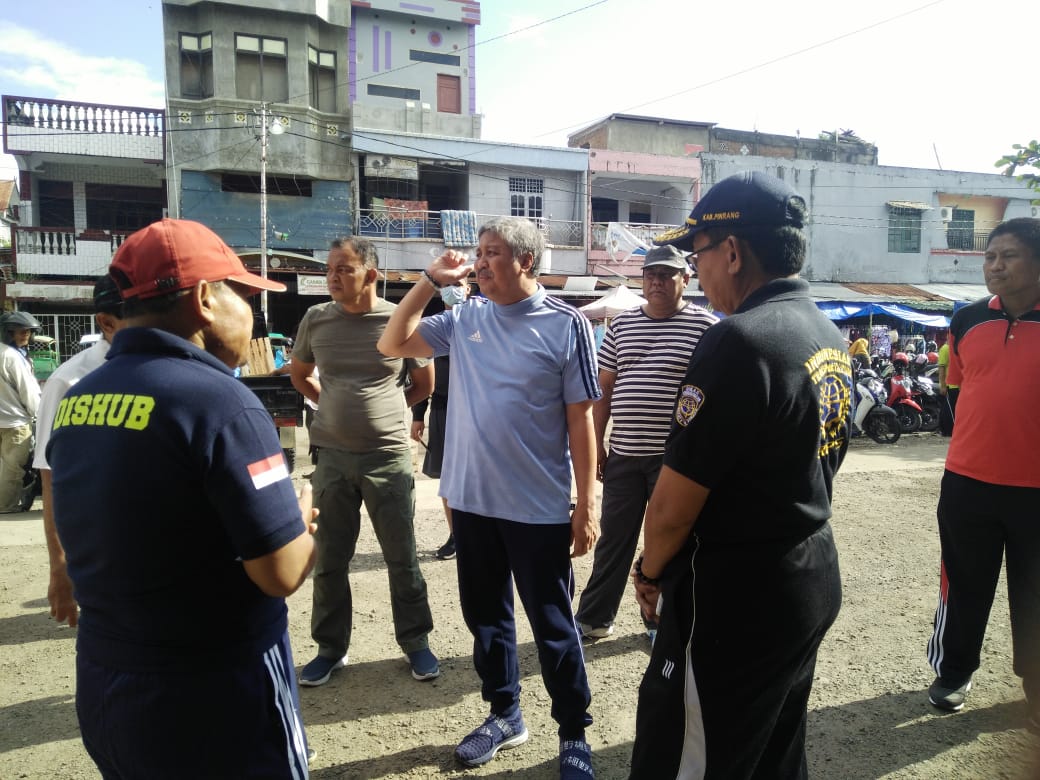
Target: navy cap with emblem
(745, 200)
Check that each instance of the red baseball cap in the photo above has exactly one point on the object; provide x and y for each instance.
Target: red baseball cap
(176, 254)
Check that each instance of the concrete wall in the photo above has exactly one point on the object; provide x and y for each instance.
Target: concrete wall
(562, 197)
(310, 222)
(750, 142)
(69, 141)
(412, 116)
(226, 126)
(648, 136)
(224, 20)
(332, 11)
(382, 42)
(223, 135)
(848, 230)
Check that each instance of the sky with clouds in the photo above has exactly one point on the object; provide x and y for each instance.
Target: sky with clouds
(934, 83)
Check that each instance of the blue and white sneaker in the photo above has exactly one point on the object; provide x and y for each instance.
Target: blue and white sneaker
(318, 671)
(424, 664)
(496, 733)
(575, 760)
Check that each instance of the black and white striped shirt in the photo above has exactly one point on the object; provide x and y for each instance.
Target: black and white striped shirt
(649, 358)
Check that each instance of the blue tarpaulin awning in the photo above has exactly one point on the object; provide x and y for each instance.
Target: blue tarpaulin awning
(843, 310)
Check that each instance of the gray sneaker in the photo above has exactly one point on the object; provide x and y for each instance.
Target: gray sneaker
(595, 632)
(948, 697)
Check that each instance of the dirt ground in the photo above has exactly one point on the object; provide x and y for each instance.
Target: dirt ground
(868, 718)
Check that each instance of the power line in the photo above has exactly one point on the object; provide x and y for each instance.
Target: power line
(755, 67)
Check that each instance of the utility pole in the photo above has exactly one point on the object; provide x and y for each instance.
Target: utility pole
(263, 207)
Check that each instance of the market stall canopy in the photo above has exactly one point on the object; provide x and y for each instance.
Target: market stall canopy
(614, 302)
(845, 311)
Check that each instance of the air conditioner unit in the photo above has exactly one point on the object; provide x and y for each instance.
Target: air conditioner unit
(946, 213)
(1035, 211)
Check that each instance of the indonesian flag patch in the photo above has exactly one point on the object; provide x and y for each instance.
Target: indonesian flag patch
(268, 471)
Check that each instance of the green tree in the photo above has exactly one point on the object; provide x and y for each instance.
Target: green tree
(1027, 156)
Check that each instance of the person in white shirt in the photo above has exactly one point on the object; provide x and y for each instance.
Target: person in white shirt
(19, 398)
(108, 314)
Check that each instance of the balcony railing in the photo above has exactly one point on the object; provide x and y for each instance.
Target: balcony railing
(383, 223)
(644, 231)
(61, 241)
(69, 115)
(966, 240)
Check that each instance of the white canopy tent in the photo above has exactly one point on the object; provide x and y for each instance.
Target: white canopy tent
(620, 299)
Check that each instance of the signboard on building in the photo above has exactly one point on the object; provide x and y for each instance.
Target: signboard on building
(388, 167)
(311, 285)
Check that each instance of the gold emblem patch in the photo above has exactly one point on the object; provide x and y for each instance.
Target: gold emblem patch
(691, 399)
(671, 235)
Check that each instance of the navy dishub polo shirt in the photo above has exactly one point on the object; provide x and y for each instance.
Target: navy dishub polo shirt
(168, 473)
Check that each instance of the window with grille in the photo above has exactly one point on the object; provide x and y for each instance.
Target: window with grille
(261, 72)
(960, 232)
(196, 65)
(904, 230)
(123, 208)
(322, 72)
(525, 197)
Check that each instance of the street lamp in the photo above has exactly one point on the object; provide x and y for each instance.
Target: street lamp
(276, 128)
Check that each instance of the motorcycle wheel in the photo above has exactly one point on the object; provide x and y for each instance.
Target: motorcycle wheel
(883, 429)
(909, 419)
(929, 418)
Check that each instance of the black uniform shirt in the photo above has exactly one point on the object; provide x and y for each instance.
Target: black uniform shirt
(762, 418)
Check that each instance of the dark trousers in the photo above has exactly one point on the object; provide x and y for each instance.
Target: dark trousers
(211, 722)
(980, 525)
(747, 620)
(493, 553)
(947, 408)
(627, 484)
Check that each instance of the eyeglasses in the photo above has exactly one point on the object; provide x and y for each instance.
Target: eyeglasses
(695, 256)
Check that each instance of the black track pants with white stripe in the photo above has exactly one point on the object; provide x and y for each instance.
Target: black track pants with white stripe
(725, 694)
(980, 524)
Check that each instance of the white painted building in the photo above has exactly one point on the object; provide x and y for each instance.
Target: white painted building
(882, 224)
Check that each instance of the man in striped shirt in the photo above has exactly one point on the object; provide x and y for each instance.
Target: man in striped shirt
(641, 364)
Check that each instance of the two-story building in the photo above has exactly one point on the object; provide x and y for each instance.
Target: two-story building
(89, 175)
(644, 175)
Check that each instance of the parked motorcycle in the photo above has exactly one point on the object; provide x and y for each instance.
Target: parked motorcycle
(923, 391)
(900, 398)
(873, 416)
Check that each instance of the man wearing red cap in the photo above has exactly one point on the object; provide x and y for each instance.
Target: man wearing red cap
(181, 529)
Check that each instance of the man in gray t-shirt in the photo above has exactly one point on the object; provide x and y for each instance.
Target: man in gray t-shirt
(362, 453)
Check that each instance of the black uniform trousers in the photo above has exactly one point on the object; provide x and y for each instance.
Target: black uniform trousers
(981, 524)
(947, 410)
(748, 619)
